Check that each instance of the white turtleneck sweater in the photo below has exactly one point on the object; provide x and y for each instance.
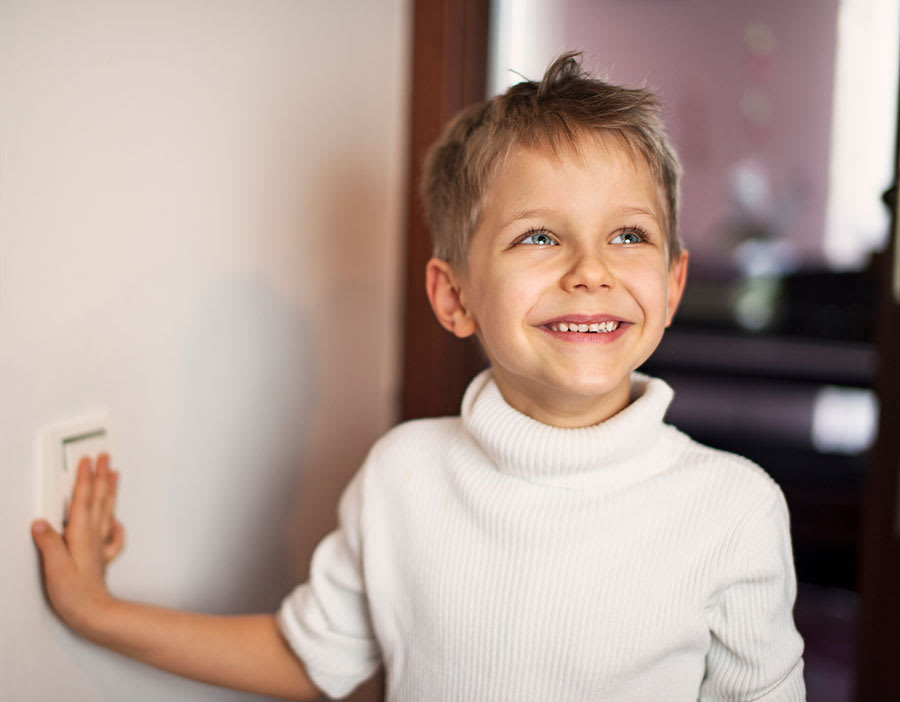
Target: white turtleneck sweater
(490, 557)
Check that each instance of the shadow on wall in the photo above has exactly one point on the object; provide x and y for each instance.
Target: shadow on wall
(354, 320)
(241, 442)
(283, 394)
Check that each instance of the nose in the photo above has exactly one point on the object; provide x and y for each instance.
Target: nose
(588, 272)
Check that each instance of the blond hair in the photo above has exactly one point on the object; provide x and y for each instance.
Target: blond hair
(556, 112)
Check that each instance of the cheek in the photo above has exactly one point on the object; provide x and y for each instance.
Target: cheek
(652, 293)
(510, 294)
(504, 310)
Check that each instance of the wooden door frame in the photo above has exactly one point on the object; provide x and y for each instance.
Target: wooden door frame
(449, 71)
(879, 629)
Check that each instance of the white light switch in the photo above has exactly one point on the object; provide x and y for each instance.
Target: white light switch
(61, 448)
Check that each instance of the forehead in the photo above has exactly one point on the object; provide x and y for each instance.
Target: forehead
(590, 172)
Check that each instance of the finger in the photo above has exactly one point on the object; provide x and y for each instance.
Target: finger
(54, 554)
(100, 491)
(115, 543)
(108, 508)
(103, 461)
(80, 510)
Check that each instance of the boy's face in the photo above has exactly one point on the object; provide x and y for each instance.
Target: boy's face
(565, 242)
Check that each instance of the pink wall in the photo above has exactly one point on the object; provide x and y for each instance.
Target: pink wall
(694, 52)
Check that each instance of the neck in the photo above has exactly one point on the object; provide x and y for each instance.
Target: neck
(618, 450)
(564, 410)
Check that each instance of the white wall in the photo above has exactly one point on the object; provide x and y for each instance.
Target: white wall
(200, 215)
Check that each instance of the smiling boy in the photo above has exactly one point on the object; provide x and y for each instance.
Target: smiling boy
(557, 541)
(569, 280)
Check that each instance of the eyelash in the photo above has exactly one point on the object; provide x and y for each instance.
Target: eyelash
(640, 233)
(535, 232)
(637, 231)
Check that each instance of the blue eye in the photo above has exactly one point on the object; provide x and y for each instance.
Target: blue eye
(629, 236)
(538, 238)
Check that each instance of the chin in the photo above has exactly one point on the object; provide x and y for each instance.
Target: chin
(591, 385)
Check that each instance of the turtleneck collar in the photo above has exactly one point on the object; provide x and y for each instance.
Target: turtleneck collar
(521, 446)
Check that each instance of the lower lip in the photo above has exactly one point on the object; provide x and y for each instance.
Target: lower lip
(589, 337)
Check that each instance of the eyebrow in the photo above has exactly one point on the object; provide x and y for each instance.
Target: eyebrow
(536, 213)
(622, 211)
(626, 210)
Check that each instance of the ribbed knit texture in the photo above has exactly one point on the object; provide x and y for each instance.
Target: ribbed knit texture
(491, 557)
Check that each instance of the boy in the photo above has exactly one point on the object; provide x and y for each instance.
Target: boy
(557, 541)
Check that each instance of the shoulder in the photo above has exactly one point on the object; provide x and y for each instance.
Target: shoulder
(416, 436)
(728, 478)
(413, 447)
(736, 507)
(418, 442)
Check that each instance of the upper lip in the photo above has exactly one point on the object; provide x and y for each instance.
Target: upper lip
(583, 319)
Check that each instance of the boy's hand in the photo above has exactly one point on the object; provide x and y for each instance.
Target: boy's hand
(240, 652)
(75, 563)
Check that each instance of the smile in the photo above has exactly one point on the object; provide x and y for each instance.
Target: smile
(595, 328)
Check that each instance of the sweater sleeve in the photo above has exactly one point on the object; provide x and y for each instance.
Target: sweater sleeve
(756, 651)
(326, 620)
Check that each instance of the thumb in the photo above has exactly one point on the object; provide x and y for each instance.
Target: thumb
(50, 544)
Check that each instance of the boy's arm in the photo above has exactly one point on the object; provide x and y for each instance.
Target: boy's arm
(241, 652)
(756, 652)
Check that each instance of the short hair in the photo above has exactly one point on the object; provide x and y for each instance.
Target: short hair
(556, 112)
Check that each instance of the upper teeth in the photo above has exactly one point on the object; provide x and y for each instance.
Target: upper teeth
(573, 327)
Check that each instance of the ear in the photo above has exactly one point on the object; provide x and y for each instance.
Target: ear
(442, 286)
(677, 279)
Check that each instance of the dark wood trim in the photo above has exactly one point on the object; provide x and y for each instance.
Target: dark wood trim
(879, 641)
(876, 671)
(450, 40)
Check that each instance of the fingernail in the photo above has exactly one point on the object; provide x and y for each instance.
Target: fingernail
(39, 527)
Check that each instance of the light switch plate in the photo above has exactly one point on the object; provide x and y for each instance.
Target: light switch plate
(61, 447)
